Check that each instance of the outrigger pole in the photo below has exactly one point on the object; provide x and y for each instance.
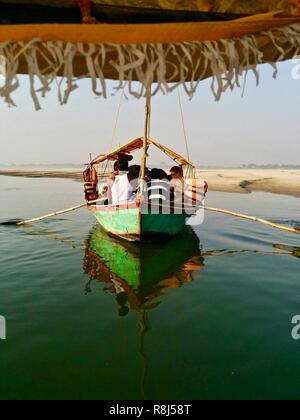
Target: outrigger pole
(211, 209)
(58, 213)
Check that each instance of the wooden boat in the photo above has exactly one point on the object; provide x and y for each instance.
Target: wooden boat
(130, 223)
(136, 221)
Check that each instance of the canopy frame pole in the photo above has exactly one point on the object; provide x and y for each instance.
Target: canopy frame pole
(146, 134)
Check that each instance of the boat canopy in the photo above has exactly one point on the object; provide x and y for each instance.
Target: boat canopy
(138, 144)
(179, 42)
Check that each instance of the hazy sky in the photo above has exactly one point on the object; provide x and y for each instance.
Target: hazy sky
(262, 127)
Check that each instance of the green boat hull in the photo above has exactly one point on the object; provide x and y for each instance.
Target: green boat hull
(129, 222)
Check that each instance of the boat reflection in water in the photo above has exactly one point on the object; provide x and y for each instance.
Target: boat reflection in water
(137, 274)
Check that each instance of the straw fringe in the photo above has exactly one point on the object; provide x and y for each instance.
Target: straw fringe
(167, 65)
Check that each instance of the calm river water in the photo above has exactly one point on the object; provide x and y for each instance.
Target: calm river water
(204, 316)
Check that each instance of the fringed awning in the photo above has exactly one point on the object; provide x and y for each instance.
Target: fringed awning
(158, 55)
(138, 144)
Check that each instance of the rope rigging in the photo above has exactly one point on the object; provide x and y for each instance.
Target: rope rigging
(114, 133)
(183, 125)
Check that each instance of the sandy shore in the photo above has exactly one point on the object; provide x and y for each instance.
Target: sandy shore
(228, 180)
(75, 174)
(245, 181)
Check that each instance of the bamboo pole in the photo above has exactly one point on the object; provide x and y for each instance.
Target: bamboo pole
(146, 134)
(253, 219)
(57, 213)
(212, 209)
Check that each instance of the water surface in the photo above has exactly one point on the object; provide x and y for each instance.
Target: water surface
(205, 315)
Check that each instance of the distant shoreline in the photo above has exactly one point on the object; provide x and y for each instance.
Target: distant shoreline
(277, 181)
(75, 174)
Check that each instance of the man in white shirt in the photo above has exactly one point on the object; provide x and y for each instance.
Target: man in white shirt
(121, 189)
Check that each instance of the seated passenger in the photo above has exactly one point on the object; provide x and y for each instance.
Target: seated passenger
(115, 171)
(110, 181)
(177, 184)
(133, 178)
(121, 189)
(158, 190)
(162, 175)
(134, 172)
(147, 175)
(176, 172)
